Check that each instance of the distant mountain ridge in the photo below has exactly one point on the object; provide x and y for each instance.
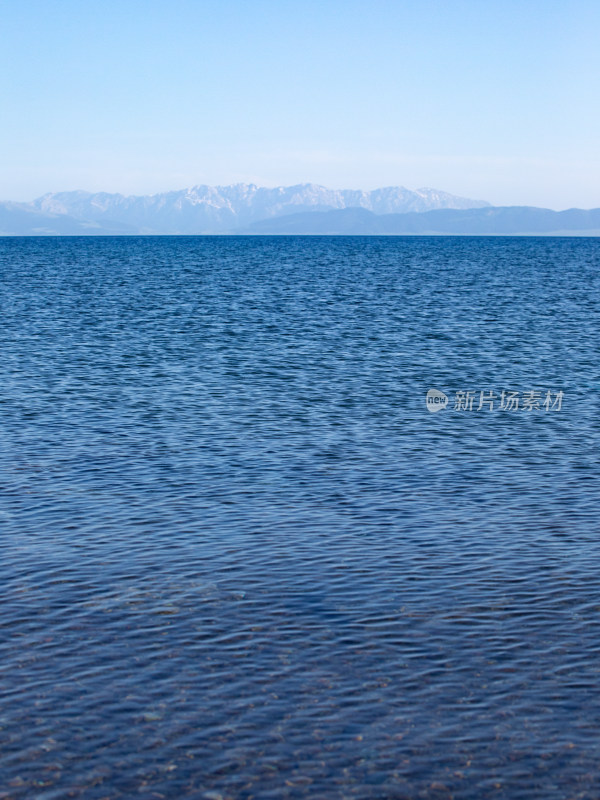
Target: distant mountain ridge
(305, 209)
(489, 221)
(21, 219)
(210, 209)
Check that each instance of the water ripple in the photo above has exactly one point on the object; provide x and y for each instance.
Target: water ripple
(242, 560)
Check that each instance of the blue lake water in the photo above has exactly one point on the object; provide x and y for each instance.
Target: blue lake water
(240, 557)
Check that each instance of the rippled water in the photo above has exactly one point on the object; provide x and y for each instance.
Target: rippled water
(241, 559)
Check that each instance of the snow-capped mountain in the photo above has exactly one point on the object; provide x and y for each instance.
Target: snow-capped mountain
(223, 209)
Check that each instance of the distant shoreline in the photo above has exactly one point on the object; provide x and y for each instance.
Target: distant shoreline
(552, 235)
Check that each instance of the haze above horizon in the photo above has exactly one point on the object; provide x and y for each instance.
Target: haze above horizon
(495, 100)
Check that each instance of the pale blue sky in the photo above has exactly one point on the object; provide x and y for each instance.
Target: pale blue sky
(492, 99)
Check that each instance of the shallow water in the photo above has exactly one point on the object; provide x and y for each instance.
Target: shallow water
(240, 558)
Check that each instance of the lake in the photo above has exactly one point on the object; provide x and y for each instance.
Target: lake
(241, 558)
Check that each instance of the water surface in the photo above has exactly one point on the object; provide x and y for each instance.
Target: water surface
(241, 559)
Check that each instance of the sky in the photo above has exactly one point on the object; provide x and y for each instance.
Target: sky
(488, 99)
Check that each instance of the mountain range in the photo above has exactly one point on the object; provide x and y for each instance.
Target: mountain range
(206, 209)
(302, 210)
(489, 221)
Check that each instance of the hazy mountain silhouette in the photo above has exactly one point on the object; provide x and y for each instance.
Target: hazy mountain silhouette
(302, 209)
(509, 220)
(220, 209)
(20, 219)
